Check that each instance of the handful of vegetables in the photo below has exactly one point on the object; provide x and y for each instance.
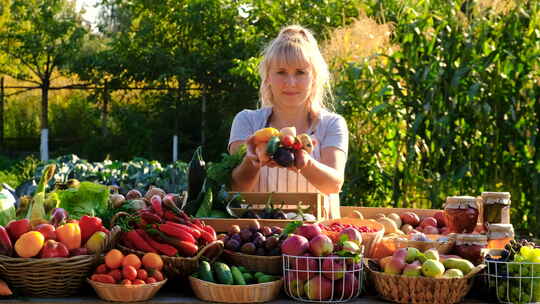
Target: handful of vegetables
(280, 146)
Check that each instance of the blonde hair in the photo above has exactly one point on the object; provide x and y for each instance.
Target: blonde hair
(295, 43)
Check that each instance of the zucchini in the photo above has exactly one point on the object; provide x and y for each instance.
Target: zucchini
(266, 278)
(248, 277)
(223, 273)
(205, 272)
(237, 276)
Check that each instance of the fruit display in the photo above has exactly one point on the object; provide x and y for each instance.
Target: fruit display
(221, 273)
(129, 269)
(412, 262)
(61, 237)
(254, 240)
(514, 274)
(409, 222)
(280, 145)
(316, 268)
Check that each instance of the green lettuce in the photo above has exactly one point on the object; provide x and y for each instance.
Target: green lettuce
(89, 199)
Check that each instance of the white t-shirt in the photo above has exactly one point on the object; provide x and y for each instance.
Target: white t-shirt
(330, 130)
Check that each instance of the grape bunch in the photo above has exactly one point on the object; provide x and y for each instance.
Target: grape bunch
(514, 247)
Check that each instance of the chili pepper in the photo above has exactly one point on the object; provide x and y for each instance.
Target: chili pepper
(193, 231)
(185, 216)
(198, 222)
(6, 247)
(70, 235)
(139, 242)
(155, 201)
(211, 230)
(169, 215)
(165, 249)
(89, 225)
(195, 226)
(176, 232)
(150, 218)
(207, 237)
(127, 242)
(187, 249)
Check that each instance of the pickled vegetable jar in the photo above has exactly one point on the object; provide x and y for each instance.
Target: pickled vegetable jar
(461, 214)
(499, 235)
(496, 207)
(469, 246)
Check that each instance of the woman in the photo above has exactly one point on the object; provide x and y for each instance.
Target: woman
(294, 88)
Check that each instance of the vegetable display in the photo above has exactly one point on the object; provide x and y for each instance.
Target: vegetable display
(280, 146)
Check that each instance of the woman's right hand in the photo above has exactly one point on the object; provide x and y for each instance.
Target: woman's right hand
(256, 154)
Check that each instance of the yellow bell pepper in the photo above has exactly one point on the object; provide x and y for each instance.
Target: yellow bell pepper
(70, 235)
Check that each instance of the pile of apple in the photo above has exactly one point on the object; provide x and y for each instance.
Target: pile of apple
(413, 263)
(316, 268)
(410, 223)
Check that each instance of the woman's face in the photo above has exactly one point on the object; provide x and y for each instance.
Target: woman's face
(290, 83)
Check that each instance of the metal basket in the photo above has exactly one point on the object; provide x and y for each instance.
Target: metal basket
(340, 283)
(514, 282)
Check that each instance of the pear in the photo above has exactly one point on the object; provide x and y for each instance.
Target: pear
(413, 270)
(432, 254)
(432, 268)
(452, 273)
(412, 253)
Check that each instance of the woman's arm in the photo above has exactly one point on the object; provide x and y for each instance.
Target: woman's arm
(326, 175)
(246, 174)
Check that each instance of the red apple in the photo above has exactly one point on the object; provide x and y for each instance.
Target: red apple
(351, 234)
(428, 221)
(309, 231)
(410, 218)
(295, 245)
(346, 288)
(306, 265)
(334, 268)
(48, 231)
(318, 288)
(321, 245)
(54, 249)
(441, 219)
(294, 286)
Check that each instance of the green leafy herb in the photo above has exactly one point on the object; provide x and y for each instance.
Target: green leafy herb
(291, 227)
(221, 172)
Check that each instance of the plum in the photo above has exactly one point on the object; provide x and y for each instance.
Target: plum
(284, 157)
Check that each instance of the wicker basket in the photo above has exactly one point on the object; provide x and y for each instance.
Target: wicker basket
(182, 266)
(442, 247)
(212, 292)
(123, 293)
(266, 264)
(422, 290)
(51, 277)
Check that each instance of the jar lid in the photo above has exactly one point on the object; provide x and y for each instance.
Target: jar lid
(471, 239)
(502, 198)
(461, 202)
(500, 231)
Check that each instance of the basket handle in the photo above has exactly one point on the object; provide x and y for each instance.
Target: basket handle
(212, 255)
(475, 270)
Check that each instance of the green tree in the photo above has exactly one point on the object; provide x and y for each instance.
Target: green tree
(38, 40)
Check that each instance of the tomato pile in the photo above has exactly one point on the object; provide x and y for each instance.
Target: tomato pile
(337, 227)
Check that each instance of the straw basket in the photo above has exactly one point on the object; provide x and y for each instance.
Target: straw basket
(51, 277)
(424, 290)
(442, 247)
(369, 239)
(266, 264)
(253, 293)
(126, 293)
(182, 266)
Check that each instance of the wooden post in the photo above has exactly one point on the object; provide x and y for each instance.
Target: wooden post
(44, 146)
(105, 110)
(175, 132)
(2, 111)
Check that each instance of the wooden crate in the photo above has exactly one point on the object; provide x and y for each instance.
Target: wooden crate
(257, 200)
(370, 212)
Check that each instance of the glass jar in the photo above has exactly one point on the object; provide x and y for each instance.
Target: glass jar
(469, 246)
(499, 235)
(461, 214)
(496, 207)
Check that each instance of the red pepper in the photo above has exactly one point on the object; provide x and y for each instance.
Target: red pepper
(17, 228)
(103, 229)
(211, 230)
(193, 231)
(186, 249)
(165, 249)
(177, 232)
(6, 247)
(139, 243)
(155, 201)
(89, 225)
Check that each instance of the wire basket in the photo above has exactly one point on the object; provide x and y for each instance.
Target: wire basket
(329, 279)
(514, 282)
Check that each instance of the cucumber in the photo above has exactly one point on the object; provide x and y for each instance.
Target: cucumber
(242, 269)
(272, 145)
(237, 276)
(258, 274)
(266, 278)
(205, 272)
(223, 273)
(248, 277)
